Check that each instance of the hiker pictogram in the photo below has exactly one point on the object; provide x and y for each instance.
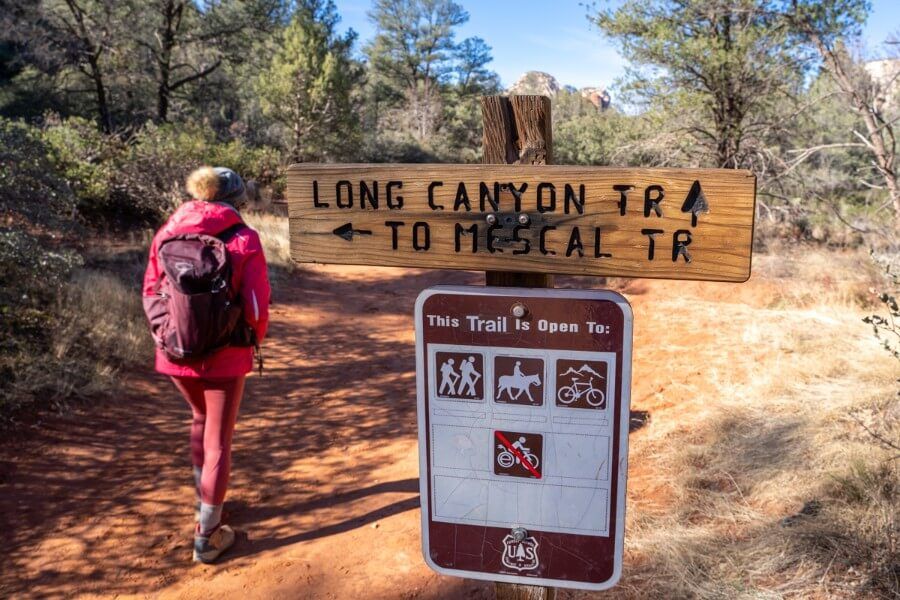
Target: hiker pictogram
(519, 380)
(518, 454)
(460, 375)
(581, 384)
(469, 376)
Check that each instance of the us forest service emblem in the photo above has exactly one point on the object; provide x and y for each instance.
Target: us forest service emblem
(520, 555)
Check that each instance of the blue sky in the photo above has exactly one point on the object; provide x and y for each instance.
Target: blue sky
(555, 36)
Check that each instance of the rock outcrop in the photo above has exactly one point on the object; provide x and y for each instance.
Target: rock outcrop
(886, 74)
(545, 84)
(535, 82)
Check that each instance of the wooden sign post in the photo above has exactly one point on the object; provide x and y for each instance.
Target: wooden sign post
(518, 130)
(521, 219)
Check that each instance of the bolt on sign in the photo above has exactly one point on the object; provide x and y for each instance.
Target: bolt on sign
(523, 408)
(663, 223)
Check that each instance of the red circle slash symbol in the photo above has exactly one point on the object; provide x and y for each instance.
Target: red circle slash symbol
(517, 454)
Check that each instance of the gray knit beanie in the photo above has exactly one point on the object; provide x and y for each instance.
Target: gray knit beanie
(231, 187)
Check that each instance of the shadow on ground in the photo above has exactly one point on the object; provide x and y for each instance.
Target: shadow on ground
(74, 495)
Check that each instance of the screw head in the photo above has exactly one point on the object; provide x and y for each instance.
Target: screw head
(519, 310)
(524, 219)
(491, 219)
(519, 533)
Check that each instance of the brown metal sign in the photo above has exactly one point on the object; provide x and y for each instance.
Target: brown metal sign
(664, 223)
(523, 398)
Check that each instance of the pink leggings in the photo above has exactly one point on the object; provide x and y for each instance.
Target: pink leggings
(215, 404)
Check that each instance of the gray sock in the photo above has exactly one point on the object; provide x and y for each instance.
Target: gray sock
(210, 516)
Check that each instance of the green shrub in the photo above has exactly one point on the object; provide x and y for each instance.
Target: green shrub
(30, 277)
(140, 180)
(87, 159)
(31, 189)
(159, 159)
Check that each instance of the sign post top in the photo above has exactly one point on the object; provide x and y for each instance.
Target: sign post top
(630, 222)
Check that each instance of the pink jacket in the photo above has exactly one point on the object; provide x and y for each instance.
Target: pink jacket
(250, 277)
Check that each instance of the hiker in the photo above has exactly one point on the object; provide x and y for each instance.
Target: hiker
(448, 377)
(469, 377)
(206, 295)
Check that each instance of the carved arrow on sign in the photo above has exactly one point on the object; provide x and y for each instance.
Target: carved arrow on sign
(695, 203)
(347, 232)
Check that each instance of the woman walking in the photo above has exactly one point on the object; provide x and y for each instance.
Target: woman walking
(206, 295)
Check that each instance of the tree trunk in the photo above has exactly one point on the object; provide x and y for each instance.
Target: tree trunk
(171, 14)
(879, 138)
(92, 52)
(102, 103)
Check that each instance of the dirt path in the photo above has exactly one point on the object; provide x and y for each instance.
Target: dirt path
(325, 489)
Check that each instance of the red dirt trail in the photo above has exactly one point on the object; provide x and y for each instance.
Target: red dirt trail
(324, 492)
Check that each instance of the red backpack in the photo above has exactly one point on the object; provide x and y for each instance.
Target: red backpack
(195, 310)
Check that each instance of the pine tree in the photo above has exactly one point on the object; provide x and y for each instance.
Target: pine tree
(413, 52)
(308, 86)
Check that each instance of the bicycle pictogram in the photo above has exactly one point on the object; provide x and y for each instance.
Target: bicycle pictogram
(578, 389)
(581, 384)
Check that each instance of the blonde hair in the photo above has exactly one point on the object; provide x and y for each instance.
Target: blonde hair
(203, 184)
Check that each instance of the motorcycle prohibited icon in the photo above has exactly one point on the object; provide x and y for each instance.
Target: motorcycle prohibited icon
(506, 459)
(518, 454)
(578, 389)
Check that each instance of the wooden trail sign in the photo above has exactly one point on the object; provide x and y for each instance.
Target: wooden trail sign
(661, 223)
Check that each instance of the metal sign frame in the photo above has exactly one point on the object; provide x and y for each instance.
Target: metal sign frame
(618, 425)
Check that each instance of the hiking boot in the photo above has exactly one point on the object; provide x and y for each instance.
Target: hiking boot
(208, 548)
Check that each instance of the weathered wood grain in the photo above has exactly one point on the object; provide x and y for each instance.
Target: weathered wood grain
(522, 124)
(512, 591)
(720, 242)
(533, 129)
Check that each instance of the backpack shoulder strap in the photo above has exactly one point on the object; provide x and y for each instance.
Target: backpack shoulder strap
(226, 235)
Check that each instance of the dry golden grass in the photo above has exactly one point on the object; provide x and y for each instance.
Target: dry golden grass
(273, 232)
(102, 312)
(766, 422)
(97, 329)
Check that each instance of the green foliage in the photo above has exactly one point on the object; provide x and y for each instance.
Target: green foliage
(589, 139)
(423, 86)
(726, 71)
(31, 271)
(31, 190)
(31, 275)
(414, 47)
(473, 76)
(86, 158)
(140, 181)
(886, 326)
(308, 86)
(832, 174)
(122, 62)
